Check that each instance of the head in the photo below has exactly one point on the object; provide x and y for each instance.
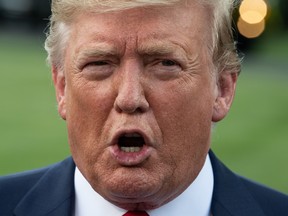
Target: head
(140, 84)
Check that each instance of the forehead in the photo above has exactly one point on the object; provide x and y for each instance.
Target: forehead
(152, 23)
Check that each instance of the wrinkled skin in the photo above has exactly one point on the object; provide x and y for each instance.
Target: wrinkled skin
(148, 71)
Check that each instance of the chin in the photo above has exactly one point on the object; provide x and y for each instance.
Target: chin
(133, 188)
(132, 205)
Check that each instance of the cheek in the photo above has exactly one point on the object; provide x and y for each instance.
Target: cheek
(184, 116)
(184, 110)
(88, 102)
(88, 109)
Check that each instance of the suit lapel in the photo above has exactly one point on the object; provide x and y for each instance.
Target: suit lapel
(230, 196)
(53, 194)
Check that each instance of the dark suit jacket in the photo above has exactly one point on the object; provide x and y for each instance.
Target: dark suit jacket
(50, 192)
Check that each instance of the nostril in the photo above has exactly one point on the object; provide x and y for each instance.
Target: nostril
(129, 109)
(139, 110)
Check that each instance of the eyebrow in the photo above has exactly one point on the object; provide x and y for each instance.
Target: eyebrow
(98, 50)
(154, 49)
(160, 49)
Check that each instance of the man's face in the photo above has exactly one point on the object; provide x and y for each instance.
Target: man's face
(139, 96)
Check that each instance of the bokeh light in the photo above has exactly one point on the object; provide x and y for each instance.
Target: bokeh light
(250, 30)
(253, 11)
(251, 22)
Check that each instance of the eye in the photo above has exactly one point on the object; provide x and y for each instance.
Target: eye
(168, 63)
(165, 69)
(99, 69)
(97, 63)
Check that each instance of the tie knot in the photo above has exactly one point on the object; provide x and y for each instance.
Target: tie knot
(136, 213)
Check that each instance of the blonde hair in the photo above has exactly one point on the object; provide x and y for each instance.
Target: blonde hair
(224, 51)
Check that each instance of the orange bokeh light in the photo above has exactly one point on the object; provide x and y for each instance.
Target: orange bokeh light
(250, 30)
(253, 11)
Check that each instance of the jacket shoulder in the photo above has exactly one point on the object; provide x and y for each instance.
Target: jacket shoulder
(272, 202)
(235, 195)
(15, 186)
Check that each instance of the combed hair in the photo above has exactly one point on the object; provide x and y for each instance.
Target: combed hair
(224, 50)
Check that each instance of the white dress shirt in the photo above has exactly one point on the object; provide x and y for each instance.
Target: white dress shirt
(194, 201)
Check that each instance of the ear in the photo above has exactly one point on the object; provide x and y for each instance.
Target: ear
(58, 77)
(226, 91)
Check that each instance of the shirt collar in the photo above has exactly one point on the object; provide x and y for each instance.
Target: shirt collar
(195, 200)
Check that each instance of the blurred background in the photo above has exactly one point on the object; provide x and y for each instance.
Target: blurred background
(252, 140)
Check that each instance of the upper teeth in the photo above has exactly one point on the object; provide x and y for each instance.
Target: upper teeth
(132, 135)
(130, 149)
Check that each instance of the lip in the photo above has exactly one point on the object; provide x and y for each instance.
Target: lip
(130, 158)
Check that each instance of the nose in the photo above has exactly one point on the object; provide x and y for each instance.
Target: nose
(131, 95)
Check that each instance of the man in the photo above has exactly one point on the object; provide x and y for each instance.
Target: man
(140, 85)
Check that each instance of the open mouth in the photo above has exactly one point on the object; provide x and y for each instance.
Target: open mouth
(131, 142)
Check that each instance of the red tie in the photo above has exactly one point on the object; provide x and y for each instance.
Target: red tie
(136, 213)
